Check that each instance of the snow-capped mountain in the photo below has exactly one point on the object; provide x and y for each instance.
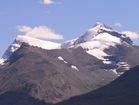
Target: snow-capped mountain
(95, 42)
(97, 33)
(30, 41)
(56, 72)
(99, 38)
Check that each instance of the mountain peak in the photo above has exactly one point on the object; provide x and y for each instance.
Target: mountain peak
(100, 27)
(94, 31)
(99, 38)
(48, 45)
(100, 24)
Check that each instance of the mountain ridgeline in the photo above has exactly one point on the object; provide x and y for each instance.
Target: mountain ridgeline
(93, 69)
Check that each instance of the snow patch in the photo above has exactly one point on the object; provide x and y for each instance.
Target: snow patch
(39, 43)
(108, 38)
(114, 71)
(60, 58)
(123, 65)
(98, 44)
(107, 62)
(2, 61)
(97, 53)
(74, 67)
(93, 32)
(14, 47)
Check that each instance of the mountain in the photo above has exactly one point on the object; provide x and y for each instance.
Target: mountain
(52, 75)
(32, 42)
(100, 32)
(53, 72)
(122, 91)
(107, 45)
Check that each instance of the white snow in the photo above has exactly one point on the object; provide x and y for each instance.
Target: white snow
(97, 53)
(14, 47)
(39, 43)
(93, 32)
(32, 42)
(101, 26)
(62, 59)
(98, 44)
(74, 67)
(107, 62)
(95, 41)
(69, 43)
(123, 65)
(114, 71)
(101, 44)
(2, 61)
(108, 38)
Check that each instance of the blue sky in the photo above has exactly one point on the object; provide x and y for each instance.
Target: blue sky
(69, 18)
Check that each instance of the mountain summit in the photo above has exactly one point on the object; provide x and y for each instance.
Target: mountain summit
(94, 31)
(102, 32)
(98, 40)
(48, 45)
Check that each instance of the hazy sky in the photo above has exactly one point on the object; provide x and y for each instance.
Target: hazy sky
(68, 18)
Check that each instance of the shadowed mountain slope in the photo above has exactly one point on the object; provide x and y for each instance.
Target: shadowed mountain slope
(122, 91)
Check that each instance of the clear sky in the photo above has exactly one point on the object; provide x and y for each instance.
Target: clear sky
(69, 18)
